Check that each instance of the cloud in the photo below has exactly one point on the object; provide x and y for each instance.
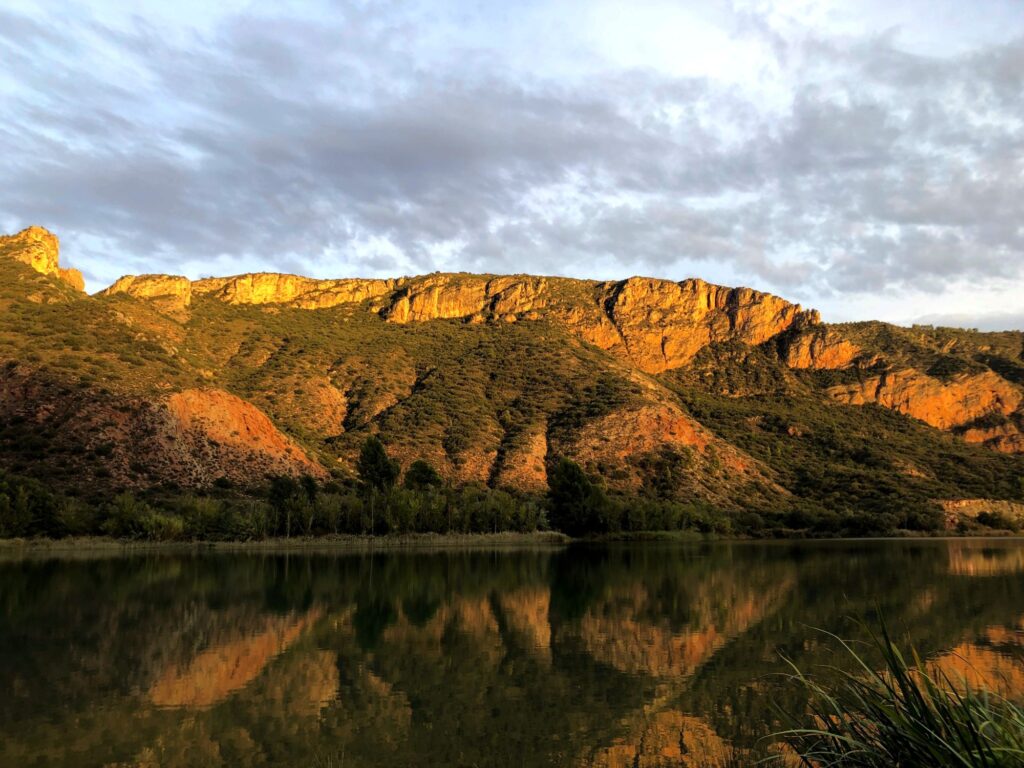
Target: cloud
(387, 138)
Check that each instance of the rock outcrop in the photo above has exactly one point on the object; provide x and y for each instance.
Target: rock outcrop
(172, 292)
(656, 324)
(190, 438)
(960, 510)
(944, 404)
(303, 292)
(664, 325)
(40, 249)
(225, 432)
(441, 297)
(819, 348)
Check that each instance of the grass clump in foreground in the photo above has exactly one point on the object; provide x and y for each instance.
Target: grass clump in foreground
(908, 714)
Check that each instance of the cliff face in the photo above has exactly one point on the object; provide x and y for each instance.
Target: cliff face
(952, 404)
(656, 324)
(303, 292)
(39, 249)
(821, 348)
(489, 378)
(664, 325)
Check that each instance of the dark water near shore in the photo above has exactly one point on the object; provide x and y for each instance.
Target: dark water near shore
(626, 655)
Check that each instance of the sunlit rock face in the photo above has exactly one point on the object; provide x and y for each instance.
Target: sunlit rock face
(170, 292)
(240, 429)
(960, 510)
(40, 249)
(820, 348)
(302, 292)
(658, 324)
(951, 404)
(467, 296)
(664, 324)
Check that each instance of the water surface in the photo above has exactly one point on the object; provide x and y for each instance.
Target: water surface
(618, 656)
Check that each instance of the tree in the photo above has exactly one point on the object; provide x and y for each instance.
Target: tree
(420, 476)
(375, 468)
(377, 472)
(309, 487)
(284, 496)
(576, 503)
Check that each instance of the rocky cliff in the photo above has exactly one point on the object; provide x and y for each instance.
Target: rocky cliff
(645, 382)
(657, 324)
(39, 249)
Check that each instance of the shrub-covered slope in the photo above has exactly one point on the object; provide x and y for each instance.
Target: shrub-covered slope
(683, 391)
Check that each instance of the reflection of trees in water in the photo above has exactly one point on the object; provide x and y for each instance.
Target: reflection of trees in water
(991, 559)
(606, 656)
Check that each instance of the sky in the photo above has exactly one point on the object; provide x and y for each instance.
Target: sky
(862, 157)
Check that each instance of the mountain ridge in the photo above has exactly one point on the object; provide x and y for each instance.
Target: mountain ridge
(490, 378)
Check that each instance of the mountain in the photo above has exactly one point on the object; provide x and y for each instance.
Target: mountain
(685, 390)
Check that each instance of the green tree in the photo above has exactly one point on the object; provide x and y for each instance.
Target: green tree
(309, 487)
(576, 503)
(377, 471)
(285, 496)
(420, 476)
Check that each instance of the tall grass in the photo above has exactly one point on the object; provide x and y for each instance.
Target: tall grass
(906, 714)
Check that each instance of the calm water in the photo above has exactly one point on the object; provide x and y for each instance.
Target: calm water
(630, 655)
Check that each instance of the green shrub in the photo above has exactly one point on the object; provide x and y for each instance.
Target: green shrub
(998, 520)
(123, 517)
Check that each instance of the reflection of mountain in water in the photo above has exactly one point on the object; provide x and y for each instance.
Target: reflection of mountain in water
(646, 656)
(994, 661)
(219, 671)
(617, 633)
(989, 560)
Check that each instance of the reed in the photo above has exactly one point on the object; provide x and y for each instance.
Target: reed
(903, 713)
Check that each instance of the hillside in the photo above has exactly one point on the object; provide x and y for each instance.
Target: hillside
(687, 391)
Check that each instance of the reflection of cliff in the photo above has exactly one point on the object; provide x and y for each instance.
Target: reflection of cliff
(663, 740)
(994, 662)
(223, 669)
(619, 633)
(984, 666)
(525, 612)
(966, 559)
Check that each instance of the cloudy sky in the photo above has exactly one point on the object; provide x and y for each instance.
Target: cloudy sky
(863, 157)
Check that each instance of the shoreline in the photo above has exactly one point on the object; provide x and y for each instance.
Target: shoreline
(420, 542)
(342, 543)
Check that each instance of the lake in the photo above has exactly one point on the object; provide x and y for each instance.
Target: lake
(622, 655)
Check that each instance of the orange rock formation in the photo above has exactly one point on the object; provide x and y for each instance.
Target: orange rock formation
(40, 249)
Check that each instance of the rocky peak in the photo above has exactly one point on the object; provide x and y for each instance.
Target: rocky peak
(40, 249)
(173, 287)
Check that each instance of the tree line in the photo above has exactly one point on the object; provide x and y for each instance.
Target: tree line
(383, 501)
